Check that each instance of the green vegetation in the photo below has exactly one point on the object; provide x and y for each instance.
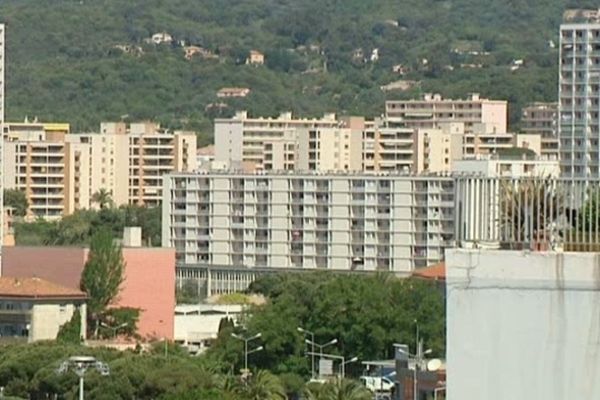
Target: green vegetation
(17, 200)
(77, 229)
(367, 314)
(63, 63)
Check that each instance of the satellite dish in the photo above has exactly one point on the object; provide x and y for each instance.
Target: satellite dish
(434, 365)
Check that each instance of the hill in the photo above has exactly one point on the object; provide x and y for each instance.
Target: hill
(87, 61)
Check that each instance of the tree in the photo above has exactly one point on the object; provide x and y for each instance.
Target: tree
(102, 275)
(263, 385)
(70, 332)
(339, 389)
(17, 200)
(103, 198)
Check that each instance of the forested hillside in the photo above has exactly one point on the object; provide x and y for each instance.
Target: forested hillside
(64, 62)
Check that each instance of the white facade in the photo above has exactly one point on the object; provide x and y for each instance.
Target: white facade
(579, 99)
(345, 221)
(196, 326)
(506, 167)
(522, 325)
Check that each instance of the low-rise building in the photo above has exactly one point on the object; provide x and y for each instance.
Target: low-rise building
(34, 309)
(197, 326)
(149, 278)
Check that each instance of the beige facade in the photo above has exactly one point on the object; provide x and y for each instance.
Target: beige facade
(511, 167)
(59, 172)
(240, 141)
(432, 110)
(542, 119)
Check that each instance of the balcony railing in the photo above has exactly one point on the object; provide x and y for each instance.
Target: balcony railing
(529, 213)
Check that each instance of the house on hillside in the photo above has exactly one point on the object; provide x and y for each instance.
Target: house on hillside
(161, 37)
(255, 57)
(34, 309)
(233, 92)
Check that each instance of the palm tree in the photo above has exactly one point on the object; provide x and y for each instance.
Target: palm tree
(339, 389)
(262, 386)
(103, 198)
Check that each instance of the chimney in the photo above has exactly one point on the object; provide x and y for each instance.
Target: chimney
(132, 236)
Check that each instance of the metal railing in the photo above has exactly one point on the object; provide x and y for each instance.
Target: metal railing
(528, 213)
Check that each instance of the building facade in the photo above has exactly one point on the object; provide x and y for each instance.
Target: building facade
(33, 309)
(542, 119)
(59, 171)
(526, 319)
(278, 221)
(432, 110)
(579, 94)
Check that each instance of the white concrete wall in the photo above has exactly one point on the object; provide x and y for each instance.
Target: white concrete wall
(523, 325)
(46, 320)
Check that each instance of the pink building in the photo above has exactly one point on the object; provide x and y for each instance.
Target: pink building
(149, 279)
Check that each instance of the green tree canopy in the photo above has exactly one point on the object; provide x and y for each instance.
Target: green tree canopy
(17, 200)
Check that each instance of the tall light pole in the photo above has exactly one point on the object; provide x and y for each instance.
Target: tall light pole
(345, 362)
(418, 359)
(80, 365)
(246, 352)
(312, 340)
(321, 347)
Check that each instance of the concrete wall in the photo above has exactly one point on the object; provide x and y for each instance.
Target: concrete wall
(47, 318)
(149, 279)
(523, 325)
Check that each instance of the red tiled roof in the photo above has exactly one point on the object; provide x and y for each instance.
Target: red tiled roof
(36, 288)
(435, 272)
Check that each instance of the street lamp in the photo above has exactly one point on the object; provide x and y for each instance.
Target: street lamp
(312, 340)
(114, 328)
(344, 363)
(418, 359)
(246, 352)
(320, 347)
(80, 365)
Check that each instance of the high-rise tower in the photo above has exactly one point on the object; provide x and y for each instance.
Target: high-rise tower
(579, 93)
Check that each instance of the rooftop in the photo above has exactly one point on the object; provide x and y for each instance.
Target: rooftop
(36, 288)
(433, 272)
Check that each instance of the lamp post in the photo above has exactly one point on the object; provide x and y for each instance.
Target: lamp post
(320, 347)
(418, 359)
(246, 352)
(312, 340)
(114, 328)
(80, 365)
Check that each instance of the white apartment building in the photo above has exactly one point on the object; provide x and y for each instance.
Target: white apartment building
(292, 220)
(579, 94)
(432, 110)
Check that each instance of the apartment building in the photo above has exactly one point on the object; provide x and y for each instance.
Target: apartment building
(542, 119)
(579, 94)
(241, 142)
(432, 110)
(292, 220)
(60, 172)
(510, 167)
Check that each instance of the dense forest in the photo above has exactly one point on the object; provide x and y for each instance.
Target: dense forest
(85, 61)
